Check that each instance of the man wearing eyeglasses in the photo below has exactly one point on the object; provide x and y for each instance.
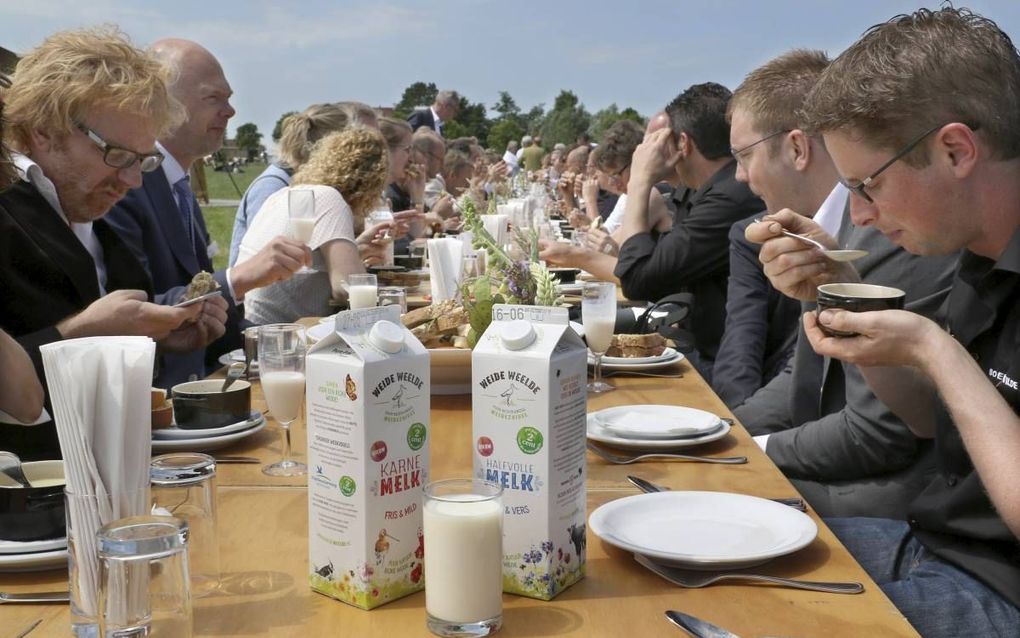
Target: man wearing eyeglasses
(921, 119)
(161, 221)
(85, 108)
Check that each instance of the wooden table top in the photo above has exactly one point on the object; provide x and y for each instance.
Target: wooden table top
(263, 540)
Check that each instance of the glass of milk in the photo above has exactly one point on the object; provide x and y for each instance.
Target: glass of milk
(362, 291)
(463, 533)
(282, 373)
(301, 208)
(598, 311)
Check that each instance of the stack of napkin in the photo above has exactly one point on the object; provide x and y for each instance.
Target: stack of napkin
(444, 267)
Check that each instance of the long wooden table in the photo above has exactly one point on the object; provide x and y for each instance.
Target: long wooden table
(263, 539)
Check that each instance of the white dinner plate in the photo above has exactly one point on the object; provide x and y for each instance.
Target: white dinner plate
(236, 356)
(319, 331)
(667, 354)
(175, 433)
(703, 530)
(34, 562)
(29, 547)
(639, 363)
(598, 433)
(207, 443)
(657, 422)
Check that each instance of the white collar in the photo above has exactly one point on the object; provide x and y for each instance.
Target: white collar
(435, 116)
(171, 167)
(830, 213)
(32, 173)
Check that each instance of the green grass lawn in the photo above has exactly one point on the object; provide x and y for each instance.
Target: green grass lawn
(219, 220)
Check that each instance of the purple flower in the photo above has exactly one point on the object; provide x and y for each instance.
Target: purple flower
(547, 547)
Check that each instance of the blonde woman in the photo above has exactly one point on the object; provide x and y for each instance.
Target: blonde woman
(299, 133)
(346, 172)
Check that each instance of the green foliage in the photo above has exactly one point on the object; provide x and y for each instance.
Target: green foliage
(534, 119)
(566, 121)
(278, 128)
(502, 131)
(414, 96)
(471, 121)
(610, 115)
(249, 139)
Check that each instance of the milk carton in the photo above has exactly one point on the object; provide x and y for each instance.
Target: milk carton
(368, 425)
(529, 394)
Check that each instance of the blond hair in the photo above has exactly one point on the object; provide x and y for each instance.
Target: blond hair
(394, 131)
(773, 94)
(71, 72)
(300, 131)
(355, 162)
(921, 70)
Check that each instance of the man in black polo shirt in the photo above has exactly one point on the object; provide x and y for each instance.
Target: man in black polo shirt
(922, 119)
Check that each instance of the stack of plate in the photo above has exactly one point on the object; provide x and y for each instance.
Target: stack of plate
(33, 556)
(655, 427)
(668, 357)
(175, 439)
(236, 356)
(703, 530)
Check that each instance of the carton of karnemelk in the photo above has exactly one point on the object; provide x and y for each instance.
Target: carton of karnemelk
(368, 430)
(529, 394)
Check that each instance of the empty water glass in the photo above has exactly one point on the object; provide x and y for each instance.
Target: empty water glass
(393, 297)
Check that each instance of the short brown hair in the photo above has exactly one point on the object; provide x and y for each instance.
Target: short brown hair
(922, 70)
(72, 71)
(773, 94)
(618, 145)
(355, 162)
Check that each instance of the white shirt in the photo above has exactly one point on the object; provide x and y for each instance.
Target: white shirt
(615, 219)
(511, 161)
(32, 173)
(439, 122)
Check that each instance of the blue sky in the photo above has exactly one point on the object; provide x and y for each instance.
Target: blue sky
(638, 53)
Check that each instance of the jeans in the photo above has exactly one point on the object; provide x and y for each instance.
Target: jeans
(939, 600)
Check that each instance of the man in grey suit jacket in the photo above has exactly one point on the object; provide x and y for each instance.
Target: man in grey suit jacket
(843, 449)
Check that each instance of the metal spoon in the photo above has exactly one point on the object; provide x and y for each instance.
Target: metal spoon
(839, 254)
(234, 372)
(10, 464)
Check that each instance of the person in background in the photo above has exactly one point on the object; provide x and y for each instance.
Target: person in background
(531, 155)
(405, 189)
(299, 133)
(84, 110)
(346, 172)
(163, 225)
(444, 108)
(510, 158)
(921, 117)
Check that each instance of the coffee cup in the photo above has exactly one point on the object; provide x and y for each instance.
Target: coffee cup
(856, 298)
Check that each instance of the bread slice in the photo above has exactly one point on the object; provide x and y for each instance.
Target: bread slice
(425, 314)
(634, 346)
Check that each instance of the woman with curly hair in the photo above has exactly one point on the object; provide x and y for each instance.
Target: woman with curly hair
(346, 171)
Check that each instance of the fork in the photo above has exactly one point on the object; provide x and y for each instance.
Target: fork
(693, 579)
(620, 459)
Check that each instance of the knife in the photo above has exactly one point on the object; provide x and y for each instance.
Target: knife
(648, 486)
(36, 597)
(697, 627)
(236, 459)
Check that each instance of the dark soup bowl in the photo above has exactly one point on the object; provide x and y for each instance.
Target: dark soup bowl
(200, 405)
(37, 512)
(411, 262)
(565, 275)
(857, 298)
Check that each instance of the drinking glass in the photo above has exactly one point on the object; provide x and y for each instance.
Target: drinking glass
(301, 210)
(251, 352)
(598, 311)
(378, 216)
(393, 296)
(282, 372)
(462, 522)
(362, 291)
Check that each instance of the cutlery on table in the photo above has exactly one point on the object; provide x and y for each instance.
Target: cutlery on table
(638, 373)
(35, 597)
(28, 630)
(10, 464)
(234, 372)
(236, 459)
(695, 579)
(621, 459)
(648, 486)
(697, 627)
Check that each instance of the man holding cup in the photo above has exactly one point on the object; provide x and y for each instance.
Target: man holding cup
(922, 120)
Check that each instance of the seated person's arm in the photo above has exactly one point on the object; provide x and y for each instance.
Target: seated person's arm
(342, 258)
(559, 254)
(21, 394)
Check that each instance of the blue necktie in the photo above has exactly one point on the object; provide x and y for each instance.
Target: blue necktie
(185, 203)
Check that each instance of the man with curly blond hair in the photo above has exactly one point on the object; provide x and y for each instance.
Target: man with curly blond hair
(84, 110)
(345, 175)
(162, 223)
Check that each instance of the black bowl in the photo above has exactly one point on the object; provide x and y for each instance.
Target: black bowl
(199, 405)
(565, 275)
(856, 298)
(409, 262)
(34, 513)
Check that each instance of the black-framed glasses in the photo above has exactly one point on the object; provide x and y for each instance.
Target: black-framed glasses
(859, 187)
(618, 174)
(121, 158)
(737, 152)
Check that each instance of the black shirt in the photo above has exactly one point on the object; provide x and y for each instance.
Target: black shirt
(693, 256)
(954, 517)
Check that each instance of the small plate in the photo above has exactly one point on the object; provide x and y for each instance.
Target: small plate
(658, 422)
(598, 433)
(637, 364)
(236, 356)
(208, 295)
(703, 530)
(174, 433)
(667, 354)
(207, 443)
(34, 562)
(31, 547)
